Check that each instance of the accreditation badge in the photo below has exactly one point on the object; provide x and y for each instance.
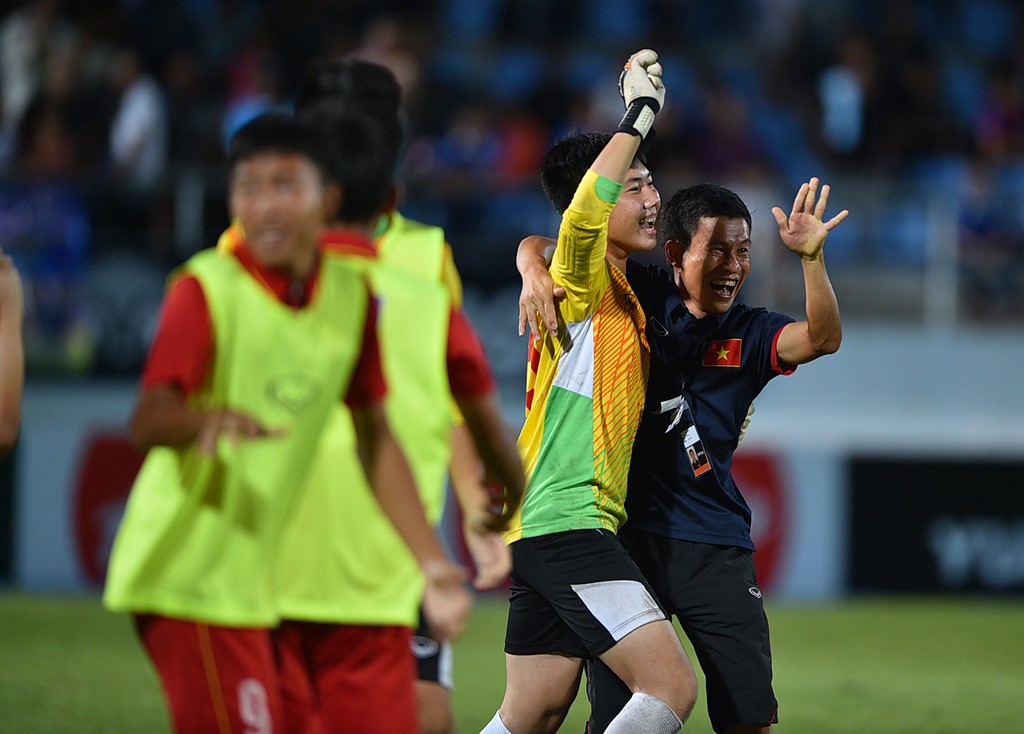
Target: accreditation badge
(682, 421)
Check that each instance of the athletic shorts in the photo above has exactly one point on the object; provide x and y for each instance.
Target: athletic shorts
(576, 593)
(433, 658)
(214, 678)
(712, 590)
(346, 679)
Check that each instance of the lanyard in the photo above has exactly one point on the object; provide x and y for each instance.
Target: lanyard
(682, 421)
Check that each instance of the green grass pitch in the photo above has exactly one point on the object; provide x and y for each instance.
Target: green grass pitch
(870, 666)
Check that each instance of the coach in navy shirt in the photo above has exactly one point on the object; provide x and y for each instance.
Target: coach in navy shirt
(688, 526)
(719, 364)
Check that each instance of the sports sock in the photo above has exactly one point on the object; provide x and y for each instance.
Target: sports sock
(495, 726)
(645, 714)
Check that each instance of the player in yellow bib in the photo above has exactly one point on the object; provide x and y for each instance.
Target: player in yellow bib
(254, 349)
(342, 573)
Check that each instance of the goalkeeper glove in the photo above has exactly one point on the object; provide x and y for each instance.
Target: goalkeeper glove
(642, 90)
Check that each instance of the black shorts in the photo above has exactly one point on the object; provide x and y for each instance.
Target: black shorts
(576, 593)
(433, 658)
(712, 590)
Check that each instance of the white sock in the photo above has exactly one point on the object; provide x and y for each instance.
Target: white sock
(645, 714)
(495, 726)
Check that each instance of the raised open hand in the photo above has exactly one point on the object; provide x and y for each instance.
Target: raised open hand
(804, 231)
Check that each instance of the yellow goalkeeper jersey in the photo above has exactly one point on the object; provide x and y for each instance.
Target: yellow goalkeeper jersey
(585, 388)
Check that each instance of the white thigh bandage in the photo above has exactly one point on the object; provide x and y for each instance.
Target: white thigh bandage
(620, 606)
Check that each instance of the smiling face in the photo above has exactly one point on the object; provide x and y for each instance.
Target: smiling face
(632, 225)
(282, 204)
(715, 265)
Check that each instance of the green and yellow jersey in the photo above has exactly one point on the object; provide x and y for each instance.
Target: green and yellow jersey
(585, 387)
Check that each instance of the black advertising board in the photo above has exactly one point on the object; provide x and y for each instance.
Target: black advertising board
(936, 526)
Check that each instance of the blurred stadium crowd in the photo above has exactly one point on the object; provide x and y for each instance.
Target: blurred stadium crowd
(113, 115)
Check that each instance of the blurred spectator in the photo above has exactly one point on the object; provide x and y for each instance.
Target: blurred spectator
(999, 125)
(29, 36)
(390, 42)
(776, 22)
(991, 248)
(924, 120)
(522, 142)
(458, 166)
(196, 107)
(842, 90)
(255, 85)
(222, 27)
(726, 149)
(85, 101)
(45, 228)
(138, 133)
(893, 93)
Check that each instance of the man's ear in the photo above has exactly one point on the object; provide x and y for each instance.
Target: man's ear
(332, 202)
(392, 200)
(674, 251)
(395, 197)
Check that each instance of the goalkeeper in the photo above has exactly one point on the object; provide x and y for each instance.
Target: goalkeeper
(575, 591)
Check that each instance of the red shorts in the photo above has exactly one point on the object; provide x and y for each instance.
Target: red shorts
(346, 678)
(215, 679)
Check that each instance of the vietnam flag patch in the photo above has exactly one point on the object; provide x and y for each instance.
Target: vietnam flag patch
(725, 353)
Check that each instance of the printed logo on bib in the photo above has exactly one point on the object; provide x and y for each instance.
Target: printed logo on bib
(294, 392)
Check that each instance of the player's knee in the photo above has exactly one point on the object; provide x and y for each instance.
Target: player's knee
(435, 711)
(436, 720)
(678, 692)
(681, 700)
(436, 724)
(687, 693)
(539, 716)
(660, 668)
(541, 721)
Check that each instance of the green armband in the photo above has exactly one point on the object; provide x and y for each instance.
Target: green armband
(607, 190)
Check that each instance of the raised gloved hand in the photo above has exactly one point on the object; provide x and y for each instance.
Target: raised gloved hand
(643, 91)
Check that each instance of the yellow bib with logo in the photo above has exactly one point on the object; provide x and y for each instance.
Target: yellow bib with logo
(201, 534)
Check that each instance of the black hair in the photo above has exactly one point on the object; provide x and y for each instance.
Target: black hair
(567, 161)
(360, 162)
(680, 218)
(277, 132)
(344, 87)
(349, 151)
(372, 86)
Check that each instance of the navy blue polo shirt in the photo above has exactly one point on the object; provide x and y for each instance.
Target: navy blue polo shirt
(726, 360)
